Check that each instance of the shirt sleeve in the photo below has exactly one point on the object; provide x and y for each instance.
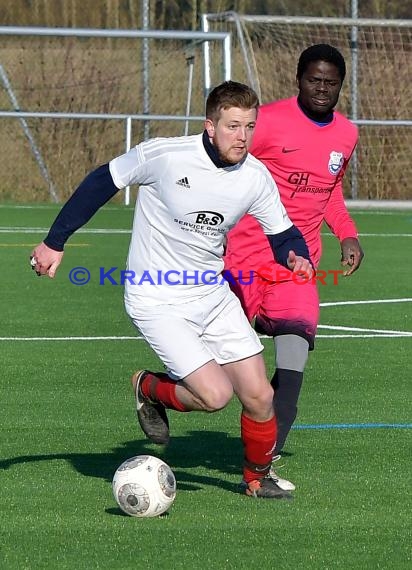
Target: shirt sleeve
(337, 216)
(282, 243)
(131, 168)
(268, 208)
(95, 190)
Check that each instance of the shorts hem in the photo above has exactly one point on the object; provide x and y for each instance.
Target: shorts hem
(271, 330)
(232, 360)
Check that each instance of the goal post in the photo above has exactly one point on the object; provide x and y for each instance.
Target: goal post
(376, 94)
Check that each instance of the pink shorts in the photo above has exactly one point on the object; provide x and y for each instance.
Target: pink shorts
(278, 300)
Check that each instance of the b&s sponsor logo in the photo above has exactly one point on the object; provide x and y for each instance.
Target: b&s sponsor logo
(203, 222)
(206, 218)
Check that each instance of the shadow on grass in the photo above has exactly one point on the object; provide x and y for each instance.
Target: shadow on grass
(206, 449)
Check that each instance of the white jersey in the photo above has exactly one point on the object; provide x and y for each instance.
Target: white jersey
(185, 207)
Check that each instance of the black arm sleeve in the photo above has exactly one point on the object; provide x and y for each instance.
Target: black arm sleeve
(95, 190)
(282, 243)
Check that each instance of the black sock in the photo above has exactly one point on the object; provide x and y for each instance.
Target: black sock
(287, 385)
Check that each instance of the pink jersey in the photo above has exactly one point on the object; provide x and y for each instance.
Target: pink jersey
(307, 162)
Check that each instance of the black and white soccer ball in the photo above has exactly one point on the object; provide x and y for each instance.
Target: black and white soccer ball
(144, 486)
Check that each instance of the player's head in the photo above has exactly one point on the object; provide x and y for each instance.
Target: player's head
(321, 52)
(320, 73)
(231, 112)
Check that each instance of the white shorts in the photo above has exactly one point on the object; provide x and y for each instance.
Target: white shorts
(188, 335)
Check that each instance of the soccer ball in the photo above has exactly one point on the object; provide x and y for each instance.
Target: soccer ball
(144, 486)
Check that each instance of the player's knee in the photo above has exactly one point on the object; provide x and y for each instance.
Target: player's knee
(265, 396)
(291, 352)
(260, 399)
(217, 397)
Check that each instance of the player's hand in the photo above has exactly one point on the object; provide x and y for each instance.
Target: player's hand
(352, 255)
(299, 264)
(44, 260)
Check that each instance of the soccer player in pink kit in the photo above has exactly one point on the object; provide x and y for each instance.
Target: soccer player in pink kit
(306, 145)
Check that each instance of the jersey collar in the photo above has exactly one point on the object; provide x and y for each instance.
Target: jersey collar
(326, 121)
(212, 152)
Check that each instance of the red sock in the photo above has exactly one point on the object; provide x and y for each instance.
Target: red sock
(160, 388)
(259, 440)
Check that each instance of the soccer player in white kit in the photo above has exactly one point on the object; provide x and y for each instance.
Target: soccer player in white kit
(192, 191)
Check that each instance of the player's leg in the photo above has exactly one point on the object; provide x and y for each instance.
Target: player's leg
(207, 390)
(250, 286)
(291, 356)
(290, 313)
(194, 380)
(258, 427)
(237, 348)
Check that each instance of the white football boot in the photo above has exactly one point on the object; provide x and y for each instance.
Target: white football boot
(284, 484)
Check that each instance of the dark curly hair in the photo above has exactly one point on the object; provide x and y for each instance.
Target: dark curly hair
(321, 52)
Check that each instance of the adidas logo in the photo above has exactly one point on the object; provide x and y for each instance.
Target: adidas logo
(183, 182)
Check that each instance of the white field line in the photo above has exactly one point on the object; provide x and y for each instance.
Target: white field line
(121, 338)
(327, 234)
(18, 230)
(54, 207)
(110, 231)
(389, 212)
(357, 329)
(367, 302)
(27, 207)
(346, 335)
(68, 338)
(377, 332)
(374, 207)
(368, 333)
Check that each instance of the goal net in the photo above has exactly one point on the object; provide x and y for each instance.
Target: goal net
(377, 92)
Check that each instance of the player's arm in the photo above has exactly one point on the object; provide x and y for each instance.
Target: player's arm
(287, 243)
(291, 251)
(95, 190)
(351, 255)
(343, 227)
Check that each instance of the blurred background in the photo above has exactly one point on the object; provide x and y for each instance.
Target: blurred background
(44, 158)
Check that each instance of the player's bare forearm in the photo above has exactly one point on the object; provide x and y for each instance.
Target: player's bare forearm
(44, 260)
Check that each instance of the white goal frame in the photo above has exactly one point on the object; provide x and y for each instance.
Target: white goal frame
(354, 24)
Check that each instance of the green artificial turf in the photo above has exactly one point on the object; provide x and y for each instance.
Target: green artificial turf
(68, 421)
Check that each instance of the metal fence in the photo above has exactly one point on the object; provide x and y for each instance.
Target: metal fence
(16, 90)
(69, 96)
